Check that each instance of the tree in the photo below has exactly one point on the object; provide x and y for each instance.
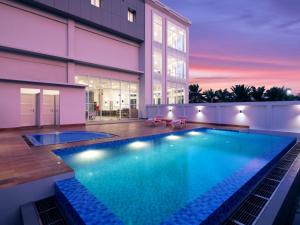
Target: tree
(241, 93)
(210, 96)
(195, 95)
(257, 94)
(223, 95)
(277, 94)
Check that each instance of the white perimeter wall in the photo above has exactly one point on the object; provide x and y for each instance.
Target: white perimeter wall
(273, 116)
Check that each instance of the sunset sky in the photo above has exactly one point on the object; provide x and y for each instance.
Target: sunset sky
(254, 42)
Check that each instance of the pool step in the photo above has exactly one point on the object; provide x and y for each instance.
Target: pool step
(49, 213)
(252, 206)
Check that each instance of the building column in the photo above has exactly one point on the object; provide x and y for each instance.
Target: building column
(164, 61)
(71, 51)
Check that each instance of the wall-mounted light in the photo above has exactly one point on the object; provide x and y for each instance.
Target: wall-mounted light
(170, 108)
(199, 110)
(241, 111)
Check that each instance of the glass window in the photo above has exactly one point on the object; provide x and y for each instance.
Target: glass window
(176, 67)
(131, 15)
(83, 80)
(157, 92)
(115, 84)
(157, 28)
(157, 61)
(175, 93)
(176, 37)
(96, 3)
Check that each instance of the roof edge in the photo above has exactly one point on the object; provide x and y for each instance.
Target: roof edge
(173, 12)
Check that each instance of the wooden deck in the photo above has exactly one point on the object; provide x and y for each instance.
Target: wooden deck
(20, 163)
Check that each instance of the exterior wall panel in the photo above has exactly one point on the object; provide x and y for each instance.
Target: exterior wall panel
(32, 32)
(96, 48)
(34, 69)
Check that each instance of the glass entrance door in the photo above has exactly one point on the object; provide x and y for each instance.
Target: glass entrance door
(110, 104)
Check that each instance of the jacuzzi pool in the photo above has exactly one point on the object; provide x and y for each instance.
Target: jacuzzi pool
(178, 178)
(64, 137)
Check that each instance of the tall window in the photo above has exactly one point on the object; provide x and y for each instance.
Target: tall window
(96, 3)
(176, 67)
(175, 93)
(176, 37)
(157, 61)
(131, 15)
(157, 28)
(157, 92)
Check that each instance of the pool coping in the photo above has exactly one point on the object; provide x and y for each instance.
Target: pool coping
(31, 140)
(194, 212)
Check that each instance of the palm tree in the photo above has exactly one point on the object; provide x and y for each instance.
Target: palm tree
(257, 94)
(195, 95)
(223, 95)
(277, 94)
(241, 93)
(210, 96)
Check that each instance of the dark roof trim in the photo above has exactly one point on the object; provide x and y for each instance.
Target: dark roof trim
(41, 82)
(64, 59)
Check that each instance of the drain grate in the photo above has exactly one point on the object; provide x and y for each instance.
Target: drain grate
(277, 174)
(290, 157)
(248, 211)
(252, 206)
(266, 188)
(284, 164)
(49, 212)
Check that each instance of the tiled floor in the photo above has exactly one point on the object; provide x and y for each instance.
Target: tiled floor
(20, 164)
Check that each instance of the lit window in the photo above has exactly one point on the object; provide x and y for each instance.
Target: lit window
(157, 92)
(176, 67)
(176, 37)
(157, 28)
(96, 3)
(175, 93)
(157, 62)
(131, 15)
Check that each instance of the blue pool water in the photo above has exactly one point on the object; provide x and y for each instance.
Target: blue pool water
(64, 137)
(163, 178)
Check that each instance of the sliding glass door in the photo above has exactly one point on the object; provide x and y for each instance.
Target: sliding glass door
(109, 99)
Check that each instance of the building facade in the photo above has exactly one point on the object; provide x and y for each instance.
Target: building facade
(71, 61)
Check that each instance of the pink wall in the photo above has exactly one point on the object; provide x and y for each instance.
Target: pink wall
(72, 103)
(35, 32)
(9, 105)
(72, 106)
(96, 47)
(19, 67)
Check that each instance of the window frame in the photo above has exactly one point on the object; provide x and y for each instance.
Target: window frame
(96, 3)
(131, 15)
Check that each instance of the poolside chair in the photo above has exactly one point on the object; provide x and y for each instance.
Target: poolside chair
(156, 121)
(183, 121)
(177, 124)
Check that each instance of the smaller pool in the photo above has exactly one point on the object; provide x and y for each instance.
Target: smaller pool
(64, 137)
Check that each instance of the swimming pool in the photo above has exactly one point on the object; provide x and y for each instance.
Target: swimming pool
(178, 178)
(64, 137)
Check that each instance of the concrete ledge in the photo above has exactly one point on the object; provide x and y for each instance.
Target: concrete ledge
(13, 198)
